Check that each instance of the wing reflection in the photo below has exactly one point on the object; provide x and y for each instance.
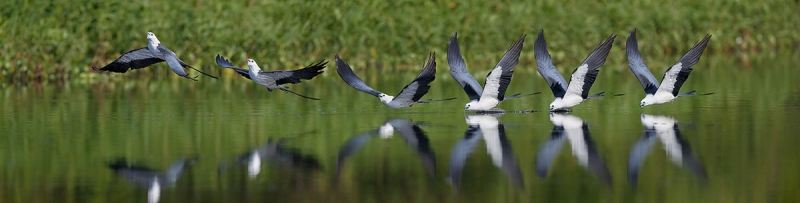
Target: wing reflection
(411, 133)
(574, 129)
(497, 146)
(274, 153)
(666, 130)
(146, 177)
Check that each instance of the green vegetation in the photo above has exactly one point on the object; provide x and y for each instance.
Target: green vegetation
(52, 40)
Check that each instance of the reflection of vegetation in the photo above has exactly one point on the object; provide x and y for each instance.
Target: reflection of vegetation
(54, 140)
(53, 40)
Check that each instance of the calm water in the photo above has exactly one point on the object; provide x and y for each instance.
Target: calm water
(107, 142)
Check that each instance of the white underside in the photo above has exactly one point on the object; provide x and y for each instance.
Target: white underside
(568, 101)
(484, 104)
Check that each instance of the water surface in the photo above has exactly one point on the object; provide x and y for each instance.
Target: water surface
(59, 142)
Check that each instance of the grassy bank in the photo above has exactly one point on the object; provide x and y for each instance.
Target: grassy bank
(59, 39)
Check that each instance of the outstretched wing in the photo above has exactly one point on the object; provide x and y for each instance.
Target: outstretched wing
(550, 150)
(414, 91)
(678, 73)
(499, 78)
(172, 60)
(133, 59)
(636, 64)
(221, 61)
(458, 69)
(546, 68)
(583, 77)
(295, 76)
(349, 77)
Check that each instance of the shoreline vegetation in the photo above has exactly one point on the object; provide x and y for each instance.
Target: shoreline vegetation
(60, 40)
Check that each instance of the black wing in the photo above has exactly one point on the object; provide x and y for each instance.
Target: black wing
(133, 59)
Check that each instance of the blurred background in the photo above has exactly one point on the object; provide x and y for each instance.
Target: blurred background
(60, 40)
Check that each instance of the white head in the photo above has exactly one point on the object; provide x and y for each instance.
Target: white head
(152, 39)
(253, 65)
(647, 101)
(469, 105)
(385, 98)
(558, 104)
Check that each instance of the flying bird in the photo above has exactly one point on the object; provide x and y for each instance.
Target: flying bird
(151, 179)
(576, 131)
(411, 93)
(664, 129)
(155, 52)
(409, 131)
(275, 79)
(577, 90)
(458, 69)
(674, 77)
(497, 146)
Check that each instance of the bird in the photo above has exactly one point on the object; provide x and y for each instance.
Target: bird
(674, 77)
(275, 79)
(411, 93)
(154, 52)
(574, 129)
(151, 179)
(411, 133)
(498, 147)
(577, 90)
(458, 69)
(277, 153)
(664, 129)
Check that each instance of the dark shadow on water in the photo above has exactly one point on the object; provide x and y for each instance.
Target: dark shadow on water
(411, 133)
(497, 145)
(276, 154)
(664, 129)
(574, 129)
(152, 180)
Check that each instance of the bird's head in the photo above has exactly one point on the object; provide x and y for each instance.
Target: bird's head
(385, 98)
(469, 105)
(152, 38)
(647, 101)
(253, 65)
(557, 104)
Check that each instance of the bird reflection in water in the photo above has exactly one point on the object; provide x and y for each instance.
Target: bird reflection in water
(274, 153)
(146, 177)
(485, 126)
(666, 130)
(411, 133)
(574, 129)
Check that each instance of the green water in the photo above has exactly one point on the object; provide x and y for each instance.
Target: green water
(57, 140)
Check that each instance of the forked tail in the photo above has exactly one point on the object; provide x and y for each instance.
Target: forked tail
(202, 72)
(295, 93)
(518, 95)
(434, 100)
(601, 94)
(692, 93)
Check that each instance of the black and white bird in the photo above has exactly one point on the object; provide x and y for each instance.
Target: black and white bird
(276, 153)
(664, 129)
(574, 129)
(497, 146)
(577, 90)
(411, 93)
(153, 180)
(458, 69)
(275, 79)
(411, 133)
(155, 52)
(673, 78)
